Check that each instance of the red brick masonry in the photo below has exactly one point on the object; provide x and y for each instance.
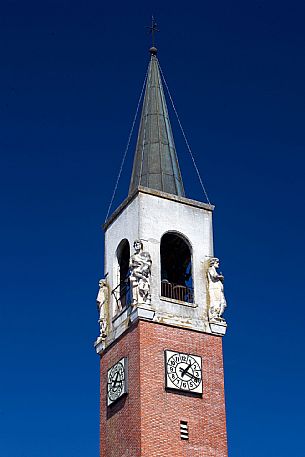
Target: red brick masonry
(146, 422)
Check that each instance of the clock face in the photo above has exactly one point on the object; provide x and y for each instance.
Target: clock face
(183, 371)
(117, 381)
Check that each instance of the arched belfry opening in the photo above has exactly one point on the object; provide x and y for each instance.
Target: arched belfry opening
(176, 268)
(122, 289)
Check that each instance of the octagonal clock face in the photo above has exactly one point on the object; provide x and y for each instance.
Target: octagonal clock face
(183, 372)
(117, 381)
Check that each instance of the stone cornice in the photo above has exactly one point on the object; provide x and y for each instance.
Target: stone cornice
(156, 193)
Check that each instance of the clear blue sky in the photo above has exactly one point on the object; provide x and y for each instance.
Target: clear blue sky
(70, 76)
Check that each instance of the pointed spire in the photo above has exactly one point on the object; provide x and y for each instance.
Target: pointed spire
(155, 162)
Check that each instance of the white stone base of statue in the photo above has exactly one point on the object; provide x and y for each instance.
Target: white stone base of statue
(100, 344)
(218, 327)
(142, 313)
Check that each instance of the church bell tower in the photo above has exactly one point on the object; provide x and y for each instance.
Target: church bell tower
(161, 306)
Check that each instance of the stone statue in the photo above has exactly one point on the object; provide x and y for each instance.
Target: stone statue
(102, 301)
(217, 301)
(140, 271)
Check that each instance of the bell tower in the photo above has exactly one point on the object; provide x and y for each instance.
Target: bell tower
(161, 306)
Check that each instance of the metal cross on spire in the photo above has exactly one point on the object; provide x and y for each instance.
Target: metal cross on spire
(153, 29)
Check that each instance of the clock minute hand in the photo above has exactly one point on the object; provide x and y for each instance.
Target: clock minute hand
(116, 380)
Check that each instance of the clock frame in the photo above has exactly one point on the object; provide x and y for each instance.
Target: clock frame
(183, 372)
(117, 381)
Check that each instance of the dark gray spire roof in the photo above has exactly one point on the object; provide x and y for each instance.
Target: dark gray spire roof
(155, 162)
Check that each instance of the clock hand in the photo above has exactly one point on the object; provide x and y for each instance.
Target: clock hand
(190, 375)
(116, 380)
(183, 372)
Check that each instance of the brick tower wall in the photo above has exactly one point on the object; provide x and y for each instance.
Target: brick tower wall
(146, 422)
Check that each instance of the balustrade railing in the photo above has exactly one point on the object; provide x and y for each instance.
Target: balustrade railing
(122, 294)
(177, 291)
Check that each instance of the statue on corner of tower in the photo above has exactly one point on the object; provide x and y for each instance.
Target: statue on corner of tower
(102, 300)
(216, 298)
(140, 272)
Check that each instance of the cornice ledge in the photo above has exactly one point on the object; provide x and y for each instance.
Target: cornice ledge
(156, 193)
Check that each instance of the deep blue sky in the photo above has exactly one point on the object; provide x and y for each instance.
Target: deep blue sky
(70, 77)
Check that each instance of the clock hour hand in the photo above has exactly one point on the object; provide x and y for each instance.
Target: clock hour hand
(183, 372)
(189, 374)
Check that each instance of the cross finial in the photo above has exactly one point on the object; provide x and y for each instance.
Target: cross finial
(153, 29)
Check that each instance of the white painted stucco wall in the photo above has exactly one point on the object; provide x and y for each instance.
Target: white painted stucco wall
(147, 217)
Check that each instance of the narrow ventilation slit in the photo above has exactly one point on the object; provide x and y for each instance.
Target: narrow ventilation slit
(184, 431)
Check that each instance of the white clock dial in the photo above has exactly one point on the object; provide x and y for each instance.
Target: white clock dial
(117, 381)
(183, 371)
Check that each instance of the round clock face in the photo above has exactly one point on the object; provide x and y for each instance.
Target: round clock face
(184, 371)
(116, 380)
